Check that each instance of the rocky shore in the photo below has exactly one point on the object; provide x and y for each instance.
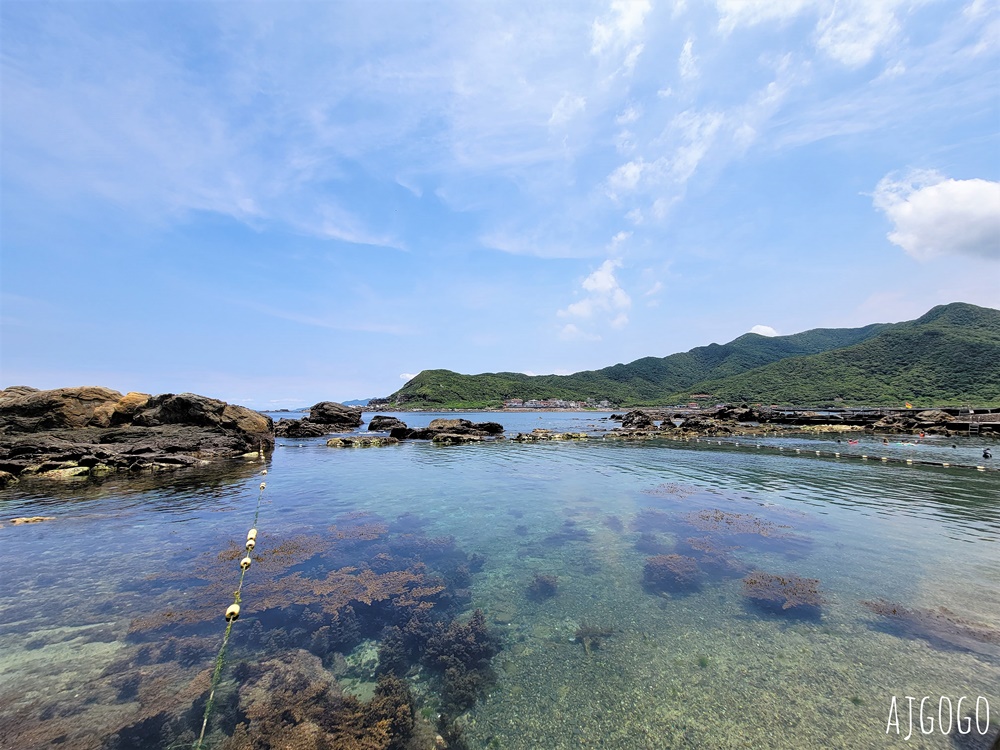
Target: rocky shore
(94, 431)
(733, 420)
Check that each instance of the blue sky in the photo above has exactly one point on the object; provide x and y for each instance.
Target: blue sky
(278, 203)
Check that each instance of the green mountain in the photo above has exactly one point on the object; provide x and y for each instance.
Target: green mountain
(950, 355)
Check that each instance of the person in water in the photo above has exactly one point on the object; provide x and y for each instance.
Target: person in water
(885, 441)
(987, 453)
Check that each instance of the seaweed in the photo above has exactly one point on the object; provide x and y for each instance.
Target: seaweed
(290, 701)
(543, 587)
(674, 573)
(792, 592)
(461, 654)
(941, 628)
(592, 636)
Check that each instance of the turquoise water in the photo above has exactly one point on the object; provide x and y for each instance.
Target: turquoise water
(103, 625)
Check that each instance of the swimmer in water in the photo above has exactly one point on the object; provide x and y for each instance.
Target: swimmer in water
(987, 453)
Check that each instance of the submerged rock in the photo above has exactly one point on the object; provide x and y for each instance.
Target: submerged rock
(361, 442)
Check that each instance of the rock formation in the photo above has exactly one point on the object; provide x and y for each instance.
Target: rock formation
(324, 418)
(90, 430)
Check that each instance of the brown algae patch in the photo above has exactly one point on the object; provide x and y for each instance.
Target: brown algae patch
(790, 591)
(715, 520)
(940, 627)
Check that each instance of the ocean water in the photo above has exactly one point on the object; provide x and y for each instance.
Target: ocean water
(636, 591)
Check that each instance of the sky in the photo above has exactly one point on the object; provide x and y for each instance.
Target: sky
(281, 203)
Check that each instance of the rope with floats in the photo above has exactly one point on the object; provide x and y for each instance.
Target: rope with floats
(232, 614)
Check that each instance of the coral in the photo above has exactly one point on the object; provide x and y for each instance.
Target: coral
(671, 573)
(592, 636)
(542, 587)
(790, 591)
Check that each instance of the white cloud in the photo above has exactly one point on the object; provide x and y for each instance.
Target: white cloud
(629, 115)
(625, 179)
(934, 215)
(620, 26)
(566, 109)
(408, 375)
(733, 13)
(764, 330)
(853, 32)
(571, 332)
(849, 31)
(655, 289)
(604, 295)
(687, 64)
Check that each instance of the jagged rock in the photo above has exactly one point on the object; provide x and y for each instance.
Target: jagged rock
(637, 420)
(935, 416)
(451, 438)
(383, 423)
(300, 428)
(6, 478)
(455, 427)
(69, 432)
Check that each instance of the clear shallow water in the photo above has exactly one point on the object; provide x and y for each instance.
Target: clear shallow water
(687, 664)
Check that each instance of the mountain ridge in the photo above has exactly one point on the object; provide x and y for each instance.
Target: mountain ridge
(948, 355)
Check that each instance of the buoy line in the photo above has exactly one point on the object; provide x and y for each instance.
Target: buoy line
(232, 614)
(710, 441)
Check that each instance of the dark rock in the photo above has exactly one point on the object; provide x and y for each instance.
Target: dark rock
(300, 428)
(637, 420)
(94, 431)
(382, 423)
(337, 415)
(454, 427)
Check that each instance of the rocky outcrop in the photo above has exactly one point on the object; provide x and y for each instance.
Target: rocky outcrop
(637, 420)
(383, 423)
(324, 418)
(361, 442)
(336, 415)
(455, 427)
(300, 428)
(91, 431)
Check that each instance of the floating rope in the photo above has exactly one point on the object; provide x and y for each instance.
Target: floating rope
(232, 614)
(827, 454)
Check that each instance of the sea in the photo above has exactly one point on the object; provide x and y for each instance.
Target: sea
(737, 593)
